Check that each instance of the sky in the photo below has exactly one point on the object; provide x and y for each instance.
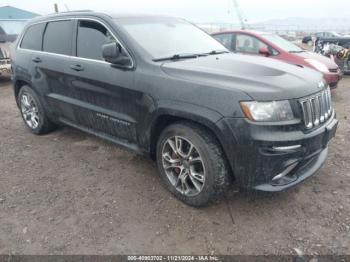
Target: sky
(199, 11)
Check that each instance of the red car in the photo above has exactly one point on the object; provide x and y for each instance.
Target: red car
(274, 46)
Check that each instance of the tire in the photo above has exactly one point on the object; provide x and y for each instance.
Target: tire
(207, 169)
(36, 121)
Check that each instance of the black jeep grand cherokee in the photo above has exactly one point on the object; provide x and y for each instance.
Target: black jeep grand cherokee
(161, 86)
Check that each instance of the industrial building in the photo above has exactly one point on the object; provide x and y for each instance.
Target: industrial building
(13, 19)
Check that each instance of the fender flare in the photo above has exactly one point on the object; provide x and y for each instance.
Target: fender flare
(190, 112)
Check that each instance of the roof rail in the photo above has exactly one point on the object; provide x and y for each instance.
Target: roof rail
(74, 11)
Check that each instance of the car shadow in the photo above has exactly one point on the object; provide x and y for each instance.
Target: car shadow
(5, 79)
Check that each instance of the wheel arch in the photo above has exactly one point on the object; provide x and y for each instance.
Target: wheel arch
(203, 117)
(18, 84)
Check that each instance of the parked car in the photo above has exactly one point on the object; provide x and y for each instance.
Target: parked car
(163, 87)
(5, 63)
(323, 46)
(4, 37)
(308, 39)
(5, 40)
(274, 46)
(341, 41)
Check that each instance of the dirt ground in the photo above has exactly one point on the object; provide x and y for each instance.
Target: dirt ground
(72, 193)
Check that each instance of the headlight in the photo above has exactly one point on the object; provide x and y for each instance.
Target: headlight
(268, 111)
(318, 65)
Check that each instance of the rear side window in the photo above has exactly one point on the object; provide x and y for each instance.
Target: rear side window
(33, 37)
(90, 39)
(58, 37)
(225, 39)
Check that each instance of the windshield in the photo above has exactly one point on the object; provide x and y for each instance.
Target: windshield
(283, 43)
(168, 37)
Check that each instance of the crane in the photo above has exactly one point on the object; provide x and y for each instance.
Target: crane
(239, 14)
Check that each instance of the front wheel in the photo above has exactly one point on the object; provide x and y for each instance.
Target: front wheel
(192, 164)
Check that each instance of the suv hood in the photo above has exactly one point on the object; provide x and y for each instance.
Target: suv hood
(260, 78)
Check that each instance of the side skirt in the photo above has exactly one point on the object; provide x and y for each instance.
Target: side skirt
(133, 147)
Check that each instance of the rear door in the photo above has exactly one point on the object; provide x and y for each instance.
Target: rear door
(29, 47)
(102, 95)
(51, 63)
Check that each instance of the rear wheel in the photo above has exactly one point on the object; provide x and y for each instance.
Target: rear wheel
(33, 113)
(192, 164)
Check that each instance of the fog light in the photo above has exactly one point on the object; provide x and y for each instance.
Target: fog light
(285, 172)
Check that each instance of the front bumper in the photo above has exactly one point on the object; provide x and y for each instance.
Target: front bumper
(307, 168)
(264, 153)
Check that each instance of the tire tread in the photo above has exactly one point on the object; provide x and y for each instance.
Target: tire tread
(47, 126)
(221, 171)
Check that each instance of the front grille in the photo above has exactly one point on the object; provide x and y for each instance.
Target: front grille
(333, 70)
(316, 109)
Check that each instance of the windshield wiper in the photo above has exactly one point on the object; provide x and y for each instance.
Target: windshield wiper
(189, 56)
(217, 52)
(176, 57)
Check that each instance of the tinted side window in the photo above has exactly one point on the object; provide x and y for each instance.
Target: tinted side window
(90, 39)
(58, 37)
(225, 39)
(248, 44)
(33, 37)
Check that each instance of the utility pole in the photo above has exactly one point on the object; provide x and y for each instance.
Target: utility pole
(55, 6)
(239, 14)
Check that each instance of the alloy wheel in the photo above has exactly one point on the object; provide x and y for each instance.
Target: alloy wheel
(29, 111)
(183, 165)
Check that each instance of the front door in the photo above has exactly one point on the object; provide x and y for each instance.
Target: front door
(101, 95)
(247, 44)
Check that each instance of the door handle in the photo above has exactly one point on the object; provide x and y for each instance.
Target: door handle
(37, 60)
(77, 67)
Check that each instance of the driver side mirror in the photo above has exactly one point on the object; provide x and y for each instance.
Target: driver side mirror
(114, 54)
(264, 51)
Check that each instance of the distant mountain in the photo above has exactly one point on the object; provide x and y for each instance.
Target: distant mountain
(341, 24)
